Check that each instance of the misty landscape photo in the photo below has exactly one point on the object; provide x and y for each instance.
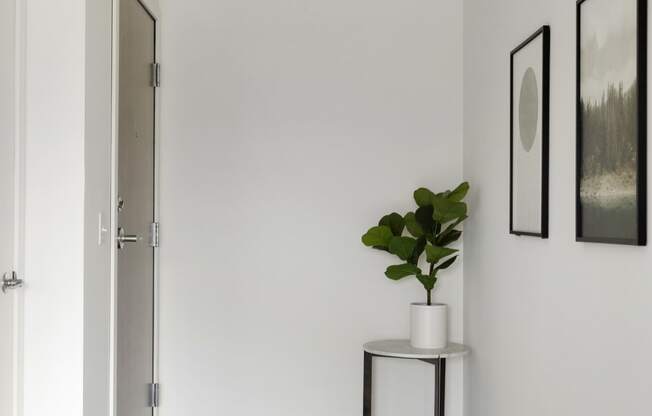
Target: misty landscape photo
(609, 119)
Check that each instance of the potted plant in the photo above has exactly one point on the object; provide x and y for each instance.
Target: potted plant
(431, 228)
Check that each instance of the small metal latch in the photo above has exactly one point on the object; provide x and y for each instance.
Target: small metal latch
(154, 393)
(11, 282)
(156, 75)
(154, 239)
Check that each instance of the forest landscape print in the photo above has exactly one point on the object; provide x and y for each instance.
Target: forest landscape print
(609, 206)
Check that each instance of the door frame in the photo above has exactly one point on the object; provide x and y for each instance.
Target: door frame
(19, 63)
(152, 7)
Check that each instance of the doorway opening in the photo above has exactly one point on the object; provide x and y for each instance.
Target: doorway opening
(135, 183)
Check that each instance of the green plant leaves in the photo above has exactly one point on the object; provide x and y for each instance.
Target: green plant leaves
(418, 250)
(424, 217)
(446, 264)
(459, 193)
(450, 227)
(423, 197)
(403, 247)
(428, 282)
(432, 228)
(450, 234)
(402, 270)
(378, 237)
(448, 238)
(395, 222)
(434, 253)
(446, 210)
(413, 225)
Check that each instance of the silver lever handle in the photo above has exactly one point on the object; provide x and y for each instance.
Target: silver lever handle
(124, 238)
(12, 282)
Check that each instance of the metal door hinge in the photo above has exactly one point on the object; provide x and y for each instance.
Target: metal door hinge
(11, 281)
(154, 394)
(154, 234)
(156, 75)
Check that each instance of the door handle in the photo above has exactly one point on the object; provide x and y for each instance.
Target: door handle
(12, 282)
(124, 238)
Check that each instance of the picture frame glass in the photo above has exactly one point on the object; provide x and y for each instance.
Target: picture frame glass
(527, 136)
(610, 204)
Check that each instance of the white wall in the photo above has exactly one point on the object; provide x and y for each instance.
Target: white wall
(557, 327)
(288, 129)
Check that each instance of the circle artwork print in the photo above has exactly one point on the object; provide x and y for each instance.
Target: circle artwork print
(528, 109)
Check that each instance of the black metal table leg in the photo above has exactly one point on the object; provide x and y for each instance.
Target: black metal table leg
(440, 386)
(366, 394)
(402, 349)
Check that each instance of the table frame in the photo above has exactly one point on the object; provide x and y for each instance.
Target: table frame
(440, 381)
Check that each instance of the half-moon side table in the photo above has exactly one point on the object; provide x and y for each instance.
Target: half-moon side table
(401, 348)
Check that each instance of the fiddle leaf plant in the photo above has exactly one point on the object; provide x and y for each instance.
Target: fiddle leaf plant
(431, 228)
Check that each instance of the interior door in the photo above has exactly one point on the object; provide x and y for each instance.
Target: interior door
(136, 181)
(7, 113)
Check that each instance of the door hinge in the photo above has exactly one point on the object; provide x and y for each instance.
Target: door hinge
(154, 229)
(156, 75)
(154, 394)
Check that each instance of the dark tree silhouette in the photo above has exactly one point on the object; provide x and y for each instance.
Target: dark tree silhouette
(609, 132)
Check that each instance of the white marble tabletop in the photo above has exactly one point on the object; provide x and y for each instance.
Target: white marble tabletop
(401, 348)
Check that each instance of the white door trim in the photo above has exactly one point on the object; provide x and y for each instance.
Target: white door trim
(19, 198)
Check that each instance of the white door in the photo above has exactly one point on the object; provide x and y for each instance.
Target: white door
(7, 300)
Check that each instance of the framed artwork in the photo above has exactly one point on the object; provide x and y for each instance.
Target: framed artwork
(529, 121)
(611, 121)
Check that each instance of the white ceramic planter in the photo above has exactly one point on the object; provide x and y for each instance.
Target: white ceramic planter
(428, 325)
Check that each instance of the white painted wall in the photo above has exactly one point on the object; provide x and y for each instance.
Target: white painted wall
(557, 327)
(288, 129)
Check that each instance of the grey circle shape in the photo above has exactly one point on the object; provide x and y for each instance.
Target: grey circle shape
(528, 109)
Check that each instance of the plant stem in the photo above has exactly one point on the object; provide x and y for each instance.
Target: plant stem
(432, 267)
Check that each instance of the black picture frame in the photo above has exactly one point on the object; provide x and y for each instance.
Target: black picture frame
(641, 166)
(544, 31)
